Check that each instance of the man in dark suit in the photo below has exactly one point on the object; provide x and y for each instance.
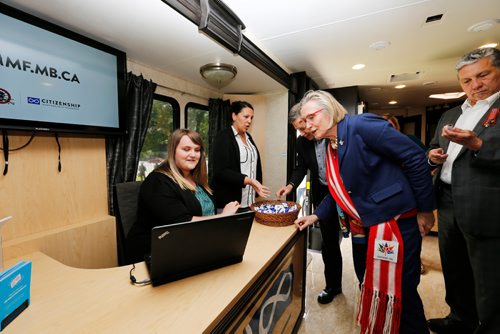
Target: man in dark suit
(466, 152)
(311, 156)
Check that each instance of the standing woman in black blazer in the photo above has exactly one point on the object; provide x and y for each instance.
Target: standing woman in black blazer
(176, 191)
(237, 165)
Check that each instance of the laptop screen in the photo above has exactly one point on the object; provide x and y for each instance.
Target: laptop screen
(193, 247)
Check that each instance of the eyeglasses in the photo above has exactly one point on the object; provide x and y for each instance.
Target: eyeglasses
(310, 117)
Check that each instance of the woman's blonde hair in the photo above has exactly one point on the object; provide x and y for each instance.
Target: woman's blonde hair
(327, 102)
(169, 167)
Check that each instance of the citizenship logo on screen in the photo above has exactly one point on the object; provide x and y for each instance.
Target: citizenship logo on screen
(33, 100)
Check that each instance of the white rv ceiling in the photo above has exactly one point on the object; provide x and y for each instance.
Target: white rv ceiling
(321, 37)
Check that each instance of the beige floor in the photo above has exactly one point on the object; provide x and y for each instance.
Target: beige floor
(338, 317)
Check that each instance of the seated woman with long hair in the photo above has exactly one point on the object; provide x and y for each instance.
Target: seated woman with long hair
(176, 191)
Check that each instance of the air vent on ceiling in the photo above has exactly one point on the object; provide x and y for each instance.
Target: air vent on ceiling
(405, 77)
(434, 18)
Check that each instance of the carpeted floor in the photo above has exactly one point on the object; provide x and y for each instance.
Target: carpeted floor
(338, 317)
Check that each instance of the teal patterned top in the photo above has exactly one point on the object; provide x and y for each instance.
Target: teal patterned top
(207, 205)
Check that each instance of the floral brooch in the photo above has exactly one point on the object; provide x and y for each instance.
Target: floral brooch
(491, 120)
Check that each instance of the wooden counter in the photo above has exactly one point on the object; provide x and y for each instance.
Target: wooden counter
(71, 300)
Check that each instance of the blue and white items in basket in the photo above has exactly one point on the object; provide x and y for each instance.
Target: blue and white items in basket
(276, 208)
(14, 291)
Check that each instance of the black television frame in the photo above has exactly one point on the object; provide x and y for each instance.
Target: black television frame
(42, 126)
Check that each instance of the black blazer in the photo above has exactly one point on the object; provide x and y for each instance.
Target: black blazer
(306, 160)
(227, 181)
(475, 177)
(161, 202)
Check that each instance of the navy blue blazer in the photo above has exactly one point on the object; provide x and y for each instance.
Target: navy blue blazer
(384, 171)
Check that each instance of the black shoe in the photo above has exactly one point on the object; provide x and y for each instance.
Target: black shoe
(326, 296)
(448, 325)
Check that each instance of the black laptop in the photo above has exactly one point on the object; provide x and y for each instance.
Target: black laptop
(193, 247)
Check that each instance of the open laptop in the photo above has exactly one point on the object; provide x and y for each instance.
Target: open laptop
(193, 247)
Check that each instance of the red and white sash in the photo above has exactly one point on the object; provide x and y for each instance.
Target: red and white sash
(379, 309)
(338, 192)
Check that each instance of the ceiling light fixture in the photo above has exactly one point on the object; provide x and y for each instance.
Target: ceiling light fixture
(218, 75)
(489, 45)
(393, 102)
(379, 45)
(447, 96)
(482, 26)
(358, 66)
(400, 86)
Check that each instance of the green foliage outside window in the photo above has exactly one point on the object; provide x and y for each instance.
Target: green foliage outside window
(197, 120)
(159, 130)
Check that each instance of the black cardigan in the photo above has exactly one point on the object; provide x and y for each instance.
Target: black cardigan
(161, 202)
(228, 181)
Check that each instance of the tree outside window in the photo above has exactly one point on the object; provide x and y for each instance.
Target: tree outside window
(164, 120)
(197, 120)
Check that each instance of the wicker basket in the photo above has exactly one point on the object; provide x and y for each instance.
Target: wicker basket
(276, 219)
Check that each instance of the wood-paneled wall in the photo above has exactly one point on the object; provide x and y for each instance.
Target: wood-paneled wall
(64, 214)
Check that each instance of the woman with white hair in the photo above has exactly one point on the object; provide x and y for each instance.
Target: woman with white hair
(380, 182)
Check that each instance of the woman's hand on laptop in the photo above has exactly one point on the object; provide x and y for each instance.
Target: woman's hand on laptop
(231, 208)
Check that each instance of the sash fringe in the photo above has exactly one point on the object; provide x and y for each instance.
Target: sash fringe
(380, 317)
(389, 315)
(395, 316)
(373, 311)
(378, 314)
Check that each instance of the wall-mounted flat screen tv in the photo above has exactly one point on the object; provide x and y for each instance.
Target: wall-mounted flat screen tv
(54, 80)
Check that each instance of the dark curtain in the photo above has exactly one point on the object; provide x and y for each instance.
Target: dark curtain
(122, 152)
(218, 118)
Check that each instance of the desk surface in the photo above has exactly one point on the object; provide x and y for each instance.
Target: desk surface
(72, 300)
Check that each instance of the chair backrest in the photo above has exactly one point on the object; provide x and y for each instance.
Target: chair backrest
(126, 198)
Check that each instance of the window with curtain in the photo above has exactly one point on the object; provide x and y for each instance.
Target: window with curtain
(165, 118)
(196, 118)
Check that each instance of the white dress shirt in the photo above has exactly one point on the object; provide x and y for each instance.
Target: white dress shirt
(248, 166)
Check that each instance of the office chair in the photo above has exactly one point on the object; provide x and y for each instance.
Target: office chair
(126, 197)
